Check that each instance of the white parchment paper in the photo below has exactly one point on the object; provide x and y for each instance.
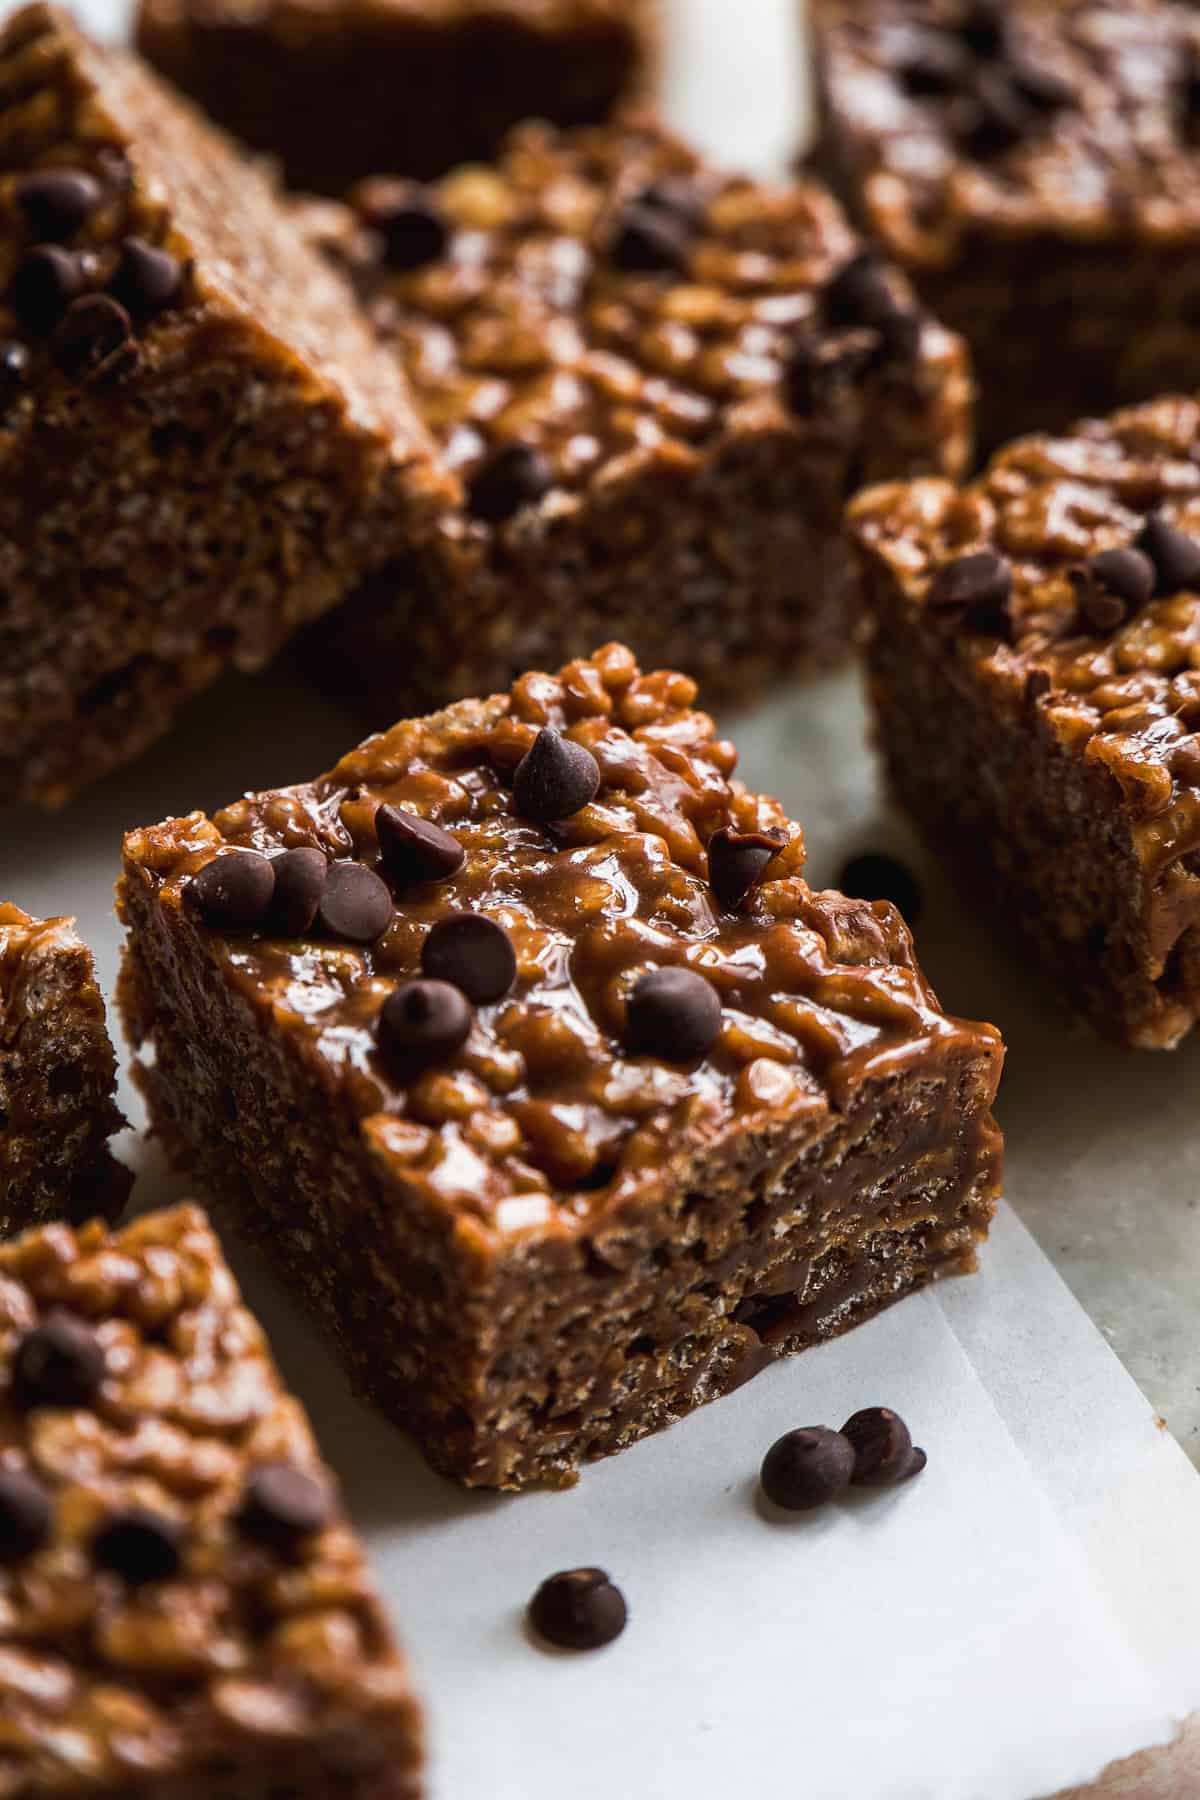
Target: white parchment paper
(1004, 1627)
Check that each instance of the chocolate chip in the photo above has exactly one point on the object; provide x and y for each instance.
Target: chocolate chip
(24, 1515)
(807, 1468)
(980, 587)
(1111, 586)
(1039, 88)
(737, 861)
(299, 883)
(1175, 555)
(233, 892)
(473, 954)
(14, 368)
(56, 202)
(873, 875)
(929, 64)
(423, 1023)
(647, 240)
(578, 1609)
(677, 197)
(59, 1363)
(355, 903)
(139, 1545)
(282, 1506)
(881, 1444)
(414, 229)
(513, 477)
(995, 119)
(414, 850)
(984, 27)
(859, 294)
(818, 372)
(674, 1014)
(147, 280)
(91, 332)
(46, 281)
(555, 779)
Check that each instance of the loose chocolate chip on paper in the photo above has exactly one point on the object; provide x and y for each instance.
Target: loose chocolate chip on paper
(555, 779)
(59, 1363)
(473, 954)
(414, 850)
(807, 1468)
(147, 280)
(56, 202)
(91, 332)
(24, 1515)
(282, 1507)
(414, 229)
(423, 1023)
(578, 1609)
(873, 875)
(1039, 88)
(233, 892)
(881, 1444)
(138, 1545)
(1175, 555)
(513, 477)
(674, 1014)
(737, 861)
(355, 903)
(47, 279)
(979, 587)
(649, 240)
(299, 883)
(1111, 585)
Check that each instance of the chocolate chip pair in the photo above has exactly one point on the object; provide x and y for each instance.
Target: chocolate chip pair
(997, 95)
(467, 960)
(809, 1467)
(242, 890)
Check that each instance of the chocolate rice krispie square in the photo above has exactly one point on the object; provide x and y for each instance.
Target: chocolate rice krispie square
(185, 1613)
(1035, 170)
(201, 446)
(655, 386)
(58, 1076)
(1034, 674)
(410, 85)
(523, 1047)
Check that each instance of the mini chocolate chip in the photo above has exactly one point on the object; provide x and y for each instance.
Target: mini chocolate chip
(881, 1444)
(1111, 585)
(980, 587)
(876, 876)
(737, 861)
(139, 1545)
(282, 1506)
(674, 1014)
(414, 850)
(648, 240)
(555, 779)
(44, 284)
(1040, 88)
(25, 1515)
(805, 1469)
(818, 372)
(413, 227)
(984, 27)
(578, 1609)
(299, 883)
(995, 119)
(56, 202)
(513, 477)
(14, 368)
(676, 196)
(355, 903)
(423, 1023)
(91, 331)
(233, 892)
(1175, 555)
(930, 64)
(59, 1363)
(473, 954)
(147, 280)
(859, 294)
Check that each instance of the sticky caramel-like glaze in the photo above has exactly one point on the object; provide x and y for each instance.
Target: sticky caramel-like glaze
(544, 1114)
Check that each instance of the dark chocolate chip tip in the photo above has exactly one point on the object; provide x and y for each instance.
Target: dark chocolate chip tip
(282, 1507)
(737, 862)
(578, 1609)
(421, 1024)
(555, 779)
(806, 1468)
(472, 953)
(673, 1014)
(415, 850)
(233, 891)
